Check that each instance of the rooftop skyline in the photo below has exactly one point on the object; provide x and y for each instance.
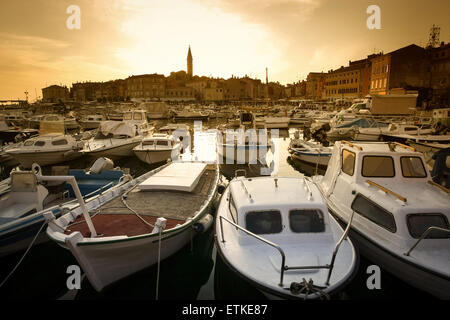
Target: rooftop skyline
(129, 37)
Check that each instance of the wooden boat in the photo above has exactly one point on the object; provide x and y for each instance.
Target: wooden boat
(155, 210)
(400, 216)
(23, 204)
(158, 147)
(274, 232)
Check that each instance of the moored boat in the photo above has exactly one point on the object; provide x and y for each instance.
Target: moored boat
(158, 147)
(400, 215)
(23, 204)
(46, 150)
(142, 222)
(311, 152)
(277, 234)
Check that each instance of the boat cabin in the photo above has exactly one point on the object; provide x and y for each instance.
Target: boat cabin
(159, 140)
(49, 141)
(389, 188)
(281, 207)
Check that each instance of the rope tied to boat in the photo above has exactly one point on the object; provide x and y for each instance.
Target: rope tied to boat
(24, 255)
(308, 287)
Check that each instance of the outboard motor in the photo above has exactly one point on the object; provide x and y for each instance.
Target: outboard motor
(101, 164)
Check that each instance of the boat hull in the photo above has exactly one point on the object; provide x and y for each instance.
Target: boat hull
(45, 158)
(414, 275)
(107, 263)
(114, 152)
(314, 159)
(153, 156)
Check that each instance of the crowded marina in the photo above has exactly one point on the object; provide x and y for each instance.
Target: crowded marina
(286, 232)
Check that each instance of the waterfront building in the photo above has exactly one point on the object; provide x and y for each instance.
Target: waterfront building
(55, 93)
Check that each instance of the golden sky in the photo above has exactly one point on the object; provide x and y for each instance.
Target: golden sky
(119, 38)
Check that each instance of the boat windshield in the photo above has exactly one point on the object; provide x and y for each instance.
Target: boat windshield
(412, 167)
(306, 220)
(264, 222)
(378, 166)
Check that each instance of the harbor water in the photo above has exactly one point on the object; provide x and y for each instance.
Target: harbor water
(196, 272)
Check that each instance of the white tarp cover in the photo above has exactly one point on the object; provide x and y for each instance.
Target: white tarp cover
(179, 176)
(117, 128)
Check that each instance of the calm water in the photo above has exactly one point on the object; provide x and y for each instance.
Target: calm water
(194, 273)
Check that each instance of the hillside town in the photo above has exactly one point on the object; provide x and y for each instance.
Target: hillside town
(411, 68)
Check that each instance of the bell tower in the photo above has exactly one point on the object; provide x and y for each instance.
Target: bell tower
(189, 63)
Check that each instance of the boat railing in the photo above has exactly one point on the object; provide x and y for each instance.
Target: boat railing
(423, 237)
(283, 267)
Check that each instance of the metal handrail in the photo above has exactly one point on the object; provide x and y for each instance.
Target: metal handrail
(283, 256)
(423, 237)
(336, 248)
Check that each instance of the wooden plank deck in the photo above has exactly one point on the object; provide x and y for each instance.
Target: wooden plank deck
(114, 218)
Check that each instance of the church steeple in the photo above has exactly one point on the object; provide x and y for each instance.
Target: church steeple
(189, 63)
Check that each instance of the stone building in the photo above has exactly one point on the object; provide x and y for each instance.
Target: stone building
(55, 93)
(406, 68)
(440, 75)
(146, 86)
(315, 82)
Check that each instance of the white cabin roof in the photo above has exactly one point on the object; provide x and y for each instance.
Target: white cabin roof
(262, 193)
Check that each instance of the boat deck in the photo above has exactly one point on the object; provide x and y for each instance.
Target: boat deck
(114, 218)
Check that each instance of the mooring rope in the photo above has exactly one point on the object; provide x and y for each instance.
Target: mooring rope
(23, 256)
(159, 262)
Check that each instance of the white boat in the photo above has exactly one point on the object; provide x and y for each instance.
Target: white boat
(400, 215)
(46, 150)
(70, 123)
(22, 205)
(116, 139)
(156, 110)
(244, 145)
(309, 151)
(190, 115)
(92, 121)
(142, 222)
(276, 122)
(171, 127)
(274, 232)
(158, 147)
